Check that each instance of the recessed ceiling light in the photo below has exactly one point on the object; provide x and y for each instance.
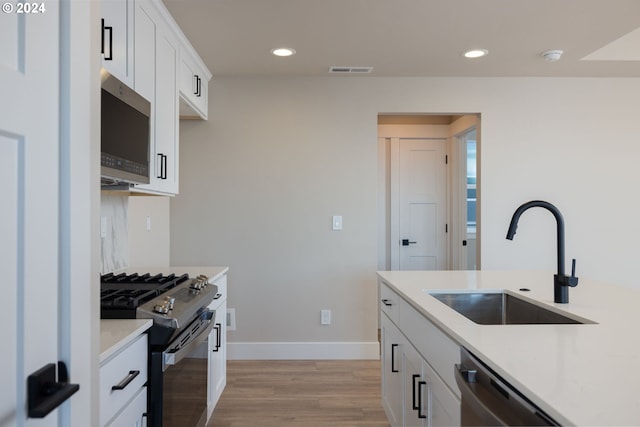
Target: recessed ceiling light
(476, 53)
(283, 51)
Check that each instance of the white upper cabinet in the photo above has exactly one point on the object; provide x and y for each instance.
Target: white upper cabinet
(194, 85)
(117, 38)
(156, 74)
(144, 47)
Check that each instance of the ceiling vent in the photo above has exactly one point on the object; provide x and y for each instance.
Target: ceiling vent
(350, 70)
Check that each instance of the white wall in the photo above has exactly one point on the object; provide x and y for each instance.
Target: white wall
(261, 179)
(149, 246)
(128, 242)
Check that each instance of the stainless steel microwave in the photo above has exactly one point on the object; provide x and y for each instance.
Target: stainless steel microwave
(124, 133)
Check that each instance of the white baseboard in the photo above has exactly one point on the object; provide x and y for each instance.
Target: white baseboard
(303, 350)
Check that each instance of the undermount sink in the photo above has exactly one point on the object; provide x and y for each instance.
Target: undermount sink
(501, 308)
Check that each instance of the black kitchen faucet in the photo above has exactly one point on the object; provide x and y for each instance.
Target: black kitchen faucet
(561, 281)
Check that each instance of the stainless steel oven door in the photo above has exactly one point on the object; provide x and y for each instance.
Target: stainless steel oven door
(185, 375)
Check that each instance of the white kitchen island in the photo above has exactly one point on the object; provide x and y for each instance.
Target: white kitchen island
(582, 375)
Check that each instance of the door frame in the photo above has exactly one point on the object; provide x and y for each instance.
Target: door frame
(416, 127)
(459, 191)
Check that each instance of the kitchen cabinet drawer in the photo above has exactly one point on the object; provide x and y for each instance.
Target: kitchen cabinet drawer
(133, 414)
(390, 303)
(436, 347)
(127, 371)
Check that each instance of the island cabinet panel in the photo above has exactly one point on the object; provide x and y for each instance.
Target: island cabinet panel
(418, 387)
(392, 382)
(436, 347)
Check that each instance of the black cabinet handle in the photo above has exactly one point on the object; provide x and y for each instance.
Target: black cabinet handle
(45, 393)
(110, 30)
(393, 357)
(198, 86)
(218, 328)
(386, 302)
(126, 381)
(413, 393)
(195, 84)
(420, 384)
(162, 173)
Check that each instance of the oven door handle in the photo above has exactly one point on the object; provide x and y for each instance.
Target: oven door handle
(172, 358)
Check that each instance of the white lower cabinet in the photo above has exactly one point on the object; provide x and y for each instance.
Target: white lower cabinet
(123, 391)
(217, 348)
(133, 414)
(416, 358)
(393, 344)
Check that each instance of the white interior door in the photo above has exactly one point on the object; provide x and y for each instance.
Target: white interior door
(419, 182)
(29, 166)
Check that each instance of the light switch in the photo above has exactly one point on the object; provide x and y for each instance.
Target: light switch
(337, 222)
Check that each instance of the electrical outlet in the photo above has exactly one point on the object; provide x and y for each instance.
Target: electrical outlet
(325, 317)
(231, 319)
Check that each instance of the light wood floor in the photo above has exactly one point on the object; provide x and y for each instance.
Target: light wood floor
(284, 393)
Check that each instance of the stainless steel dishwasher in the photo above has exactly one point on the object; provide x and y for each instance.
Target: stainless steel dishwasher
(488, 400)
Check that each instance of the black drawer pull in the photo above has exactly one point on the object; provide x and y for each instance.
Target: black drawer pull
(420, 384)
(393, 358)
(126, 381)
(386, 302)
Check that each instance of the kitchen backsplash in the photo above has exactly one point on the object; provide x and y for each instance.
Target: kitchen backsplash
(114, 241)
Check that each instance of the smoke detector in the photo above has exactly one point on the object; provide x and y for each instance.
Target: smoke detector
(552, 55)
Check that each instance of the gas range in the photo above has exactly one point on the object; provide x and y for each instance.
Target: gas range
(182, 322)
(171, 301)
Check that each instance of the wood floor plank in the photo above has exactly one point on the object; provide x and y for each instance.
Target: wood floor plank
(306, 393)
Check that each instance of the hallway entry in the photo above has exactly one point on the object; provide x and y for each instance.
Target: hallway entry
(422, 200)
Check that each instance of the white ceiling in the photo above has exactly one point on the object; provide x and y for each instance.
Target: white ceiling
(414, 37)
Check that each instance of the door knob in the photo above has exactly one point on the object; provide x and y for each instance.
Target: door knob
(406, 242)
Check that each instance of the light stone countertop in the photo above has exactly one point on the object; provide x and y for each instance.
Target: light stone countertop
(115, 334)
(584, 375)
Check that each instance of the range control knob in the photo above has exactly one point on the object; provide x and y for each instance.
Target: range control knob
(169, 301)
(161, 308)
(198, 284)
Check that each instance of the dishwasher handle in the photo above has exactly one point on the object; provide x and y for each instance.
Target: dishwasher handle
(487, 401)
(474, 406)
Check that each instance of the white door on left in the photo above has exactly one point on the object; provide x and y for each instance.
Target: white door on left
(29, 217)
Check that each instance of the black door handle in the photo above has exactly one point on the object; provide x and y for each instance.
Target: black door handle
(45, 393)
(406, 242)
(110, 29)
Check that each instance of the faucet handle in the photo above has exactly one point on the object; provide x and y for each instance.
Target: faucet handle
(573, 280)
